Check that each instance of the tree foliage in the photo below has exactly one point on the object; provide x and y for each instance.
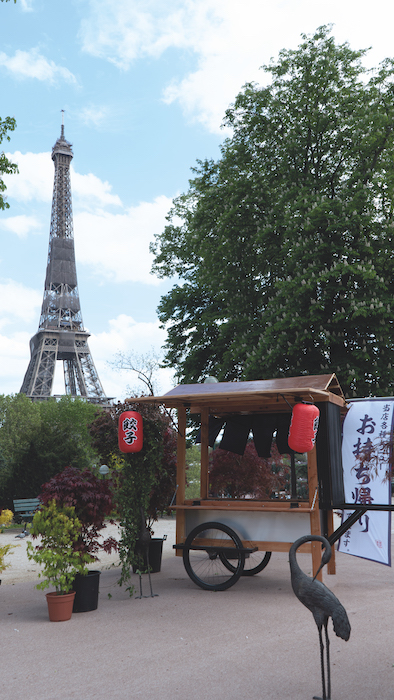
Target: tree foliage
(161, 471)
(6, 167)
(284, 246)
(40, 439)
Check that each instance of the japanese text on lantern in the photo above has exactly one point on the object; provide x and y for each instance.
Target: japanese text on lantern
(130, 427)
(130, 431)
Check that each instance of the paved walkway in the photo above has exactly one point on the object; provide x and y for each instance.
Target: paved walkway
(254, 641)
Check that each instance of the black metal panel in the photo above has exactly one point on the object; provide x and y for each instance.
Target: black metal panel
(329, 456)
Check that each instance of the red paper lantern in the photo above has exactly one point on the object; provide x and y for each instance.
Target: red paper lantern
(303, 427)
(130, 432)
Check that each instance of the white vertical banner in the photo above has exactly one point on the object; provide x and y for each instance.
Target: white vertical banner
(366, 449)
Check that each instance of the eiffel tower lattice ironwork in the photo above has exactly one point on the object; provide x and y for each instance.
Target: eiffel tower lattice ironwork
(61, 335)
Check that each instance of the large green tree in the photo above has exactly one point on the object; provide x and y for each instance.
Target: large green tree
(40, 439)
(284, 246)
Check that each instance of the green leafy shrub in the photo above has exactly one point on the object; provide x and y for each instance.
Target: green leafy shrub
(59, 529)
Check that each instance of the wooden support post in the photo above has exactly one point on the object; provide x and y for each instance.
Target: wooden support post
(331, 566)
(181, 477)
(204, 453)
(315, 514)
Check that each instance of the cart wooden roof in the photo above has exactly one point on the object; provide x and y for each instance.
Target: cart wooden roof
(254, 396)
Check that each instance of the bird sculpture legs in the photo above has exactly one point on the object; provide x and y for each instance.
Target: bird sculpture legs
(140, 577)
(326, 695)
(150, 582)
(152, 595)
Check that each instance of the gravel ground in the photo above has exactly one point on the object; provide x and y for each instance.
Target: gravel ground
(22, 569)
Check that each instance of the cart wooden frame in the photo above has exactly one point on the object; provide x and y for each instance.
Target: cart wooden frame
(269, 526)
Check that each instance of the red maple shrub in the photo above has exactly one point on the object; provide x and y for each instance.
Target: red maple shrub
(235, 476)
(92, 500)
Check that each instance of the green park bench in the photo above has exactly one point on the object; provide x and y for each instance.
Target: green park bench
(24, 508)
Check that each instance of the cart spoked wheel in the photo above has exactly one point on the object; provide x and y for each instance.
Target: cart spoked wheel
(254, 562)
(203, 556)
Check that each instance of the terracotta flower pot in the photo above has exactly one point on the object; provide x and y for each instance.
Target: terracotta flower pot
(60, 605)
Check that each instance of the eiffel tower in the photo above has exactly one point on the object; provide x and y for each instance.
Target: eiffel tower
(61, 335)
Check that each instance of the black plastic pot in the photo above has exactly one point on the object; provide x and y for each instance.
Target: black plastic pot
(86, 591)
(155, 555)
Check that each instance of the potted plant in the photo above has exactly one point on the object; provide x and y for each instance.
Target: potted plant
(92, 500)
(59, 530)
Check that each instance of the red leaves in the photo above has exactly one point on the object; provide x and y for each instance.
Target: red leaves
(233, 476)
(92, 499)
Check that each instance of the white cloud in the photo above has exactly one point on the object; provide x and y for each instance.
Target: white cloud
(31, 64)
(123, 31)
(116, 246)
(35, 182)
(127, 336)
(229, 39)
(35, 178)
(92, 114)
(90, 189)
(21, 225)
(14, 358)
(26, 5)
(18, 303)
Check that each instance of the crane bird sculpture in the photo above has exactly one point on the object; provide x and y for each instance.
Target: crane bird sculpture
(322, 603)
(142, 549)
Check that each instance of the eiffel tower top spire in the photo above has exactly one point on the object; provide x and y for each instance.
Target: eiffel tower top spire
(61, 307)
(61, 335)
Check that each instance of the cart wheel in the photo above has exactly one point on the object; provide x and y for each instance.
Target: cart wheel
(205, 566)
(254, 562)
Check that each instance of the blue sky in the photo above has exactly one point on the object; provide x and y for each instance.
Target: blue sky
(144, 85)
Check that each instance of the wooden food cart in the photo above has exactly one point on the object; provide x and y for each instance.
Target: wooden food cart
(221, 539)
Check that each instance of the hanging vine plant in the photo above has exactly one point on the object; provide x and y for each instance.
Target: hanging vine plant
(140, 479)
